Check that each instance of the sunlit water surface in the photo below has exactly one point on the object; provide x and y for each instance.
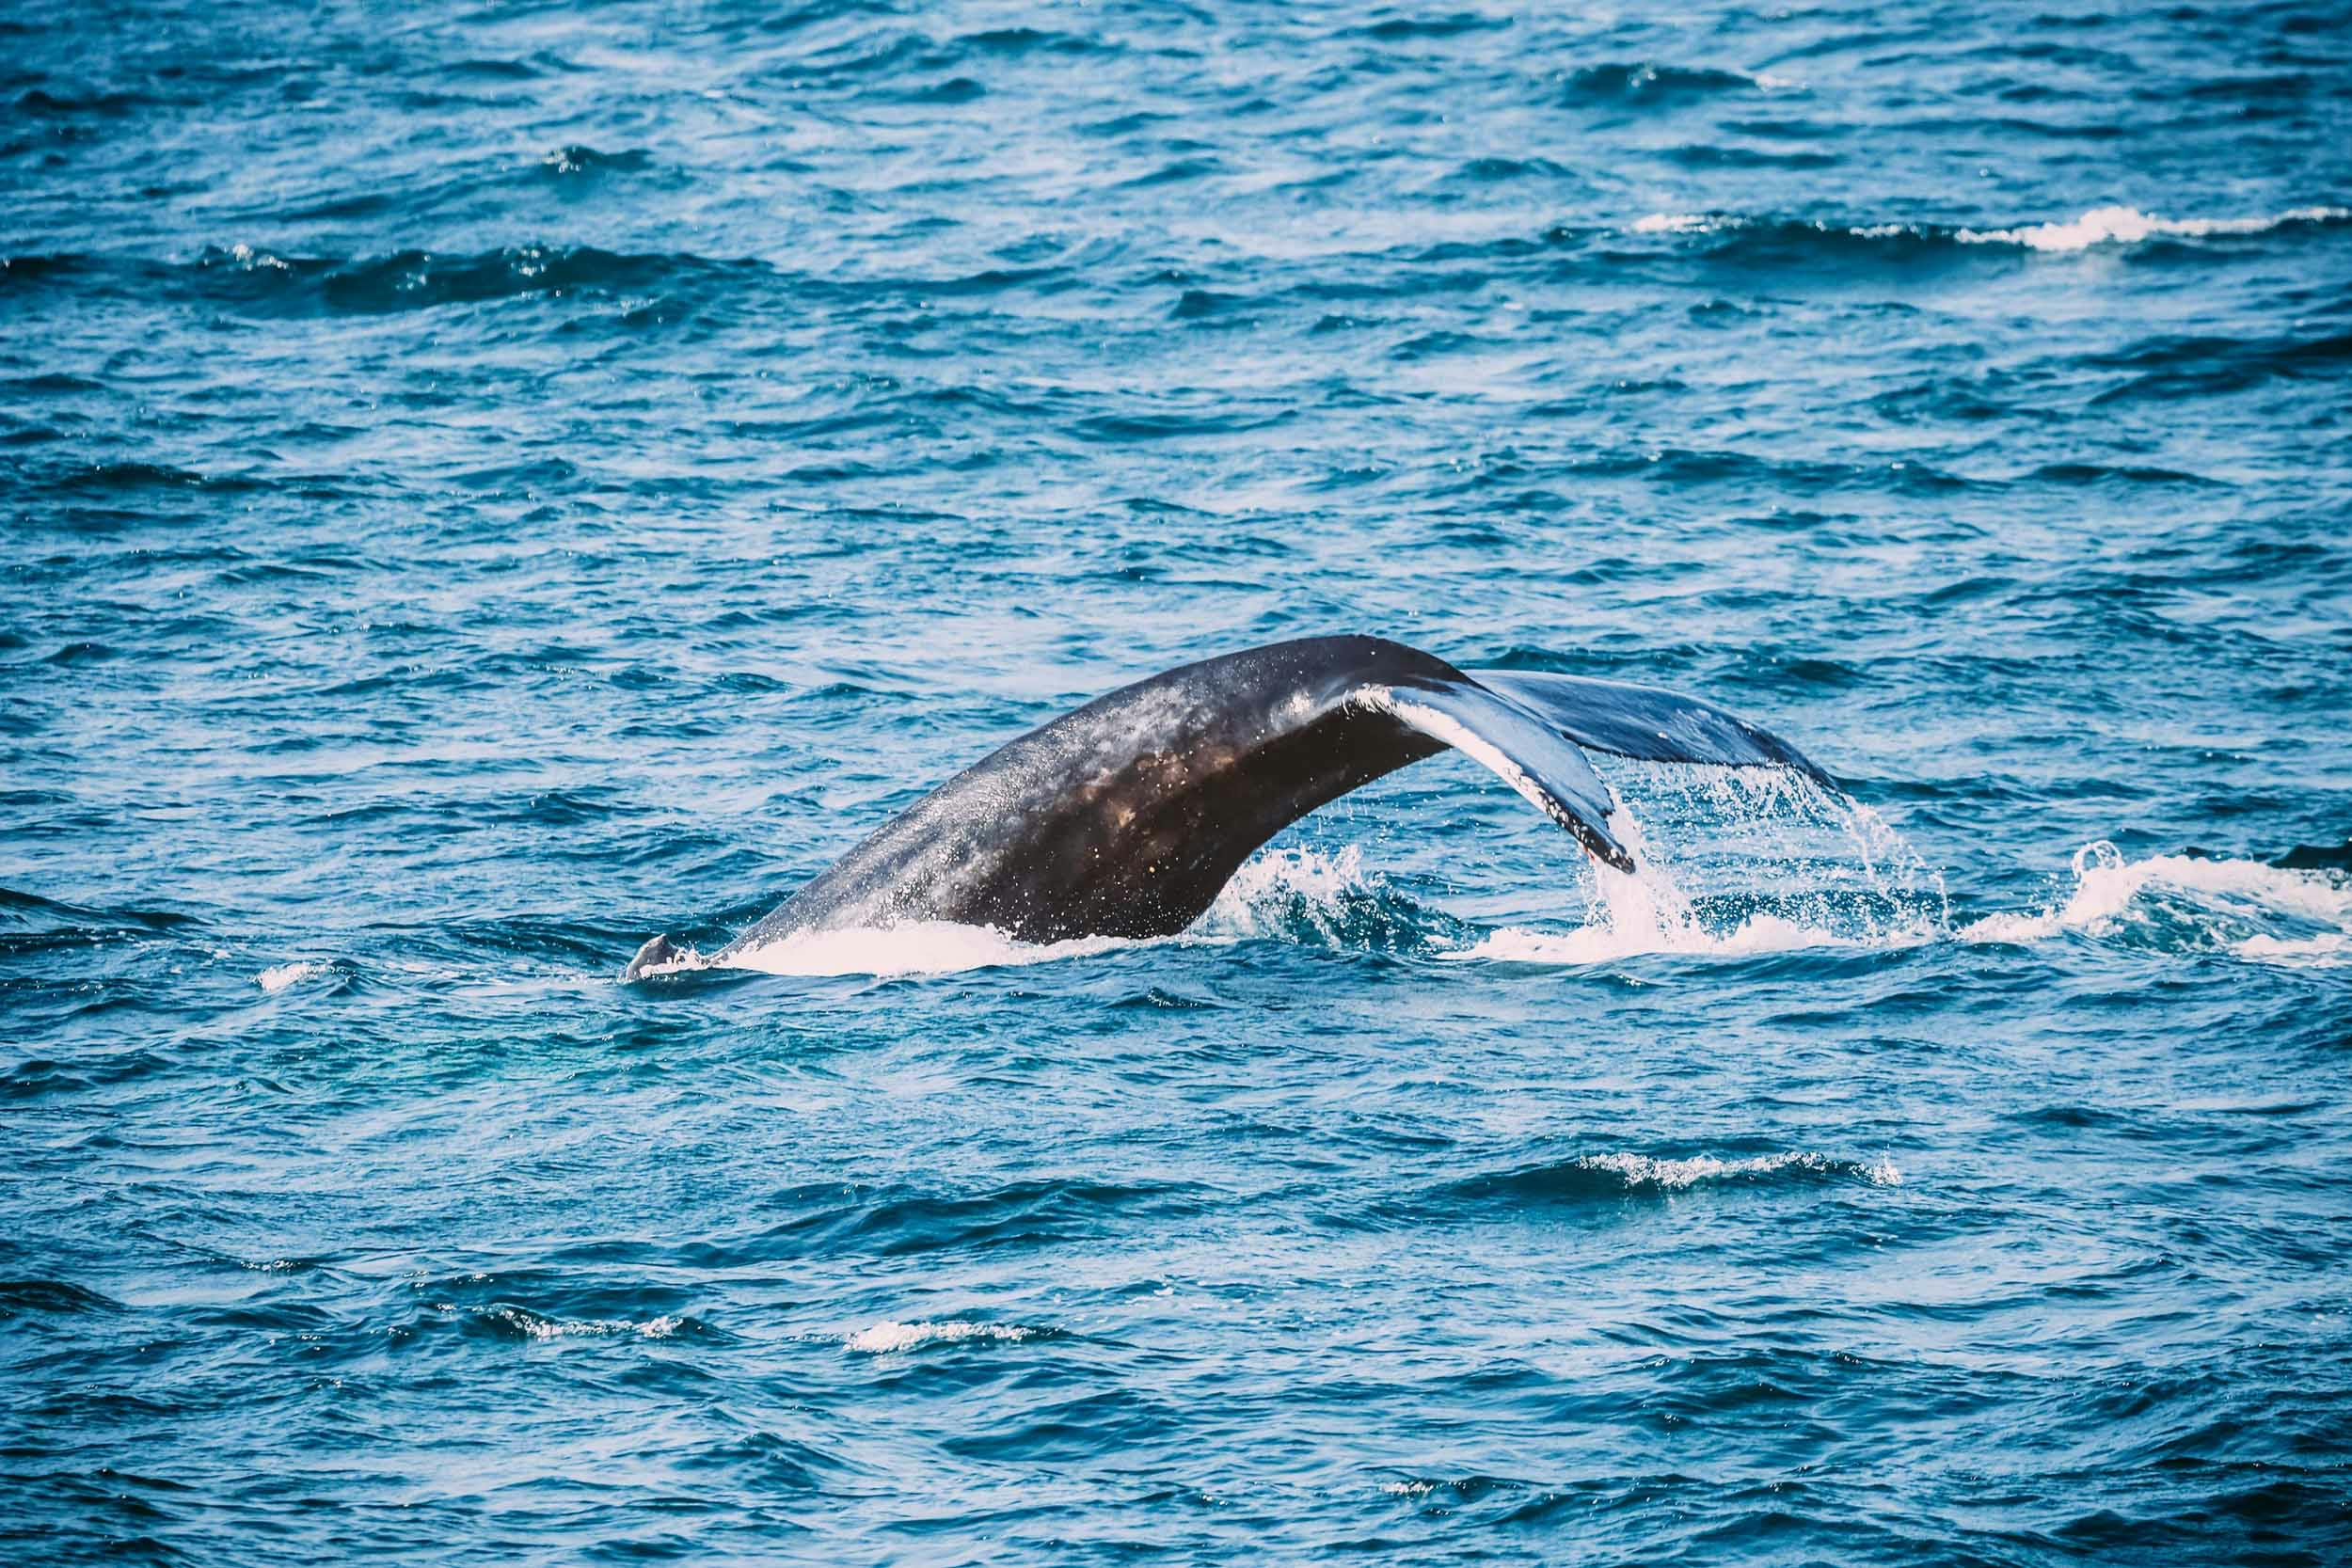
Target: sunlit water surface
(484, 486)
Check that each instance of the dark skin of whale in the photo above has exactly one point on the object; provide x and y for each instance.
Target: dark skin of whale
(1127, 816)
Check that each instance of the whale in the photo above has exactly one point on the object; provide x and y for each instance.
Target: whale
(1127, 816)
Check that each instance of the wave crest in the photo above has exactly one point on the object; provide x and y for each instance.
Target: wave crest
(1623, 1174)
(2129, 225)
(1649, 84)
(2192, 903)
(1739, 236)
(522, 1323)
(893, 1339)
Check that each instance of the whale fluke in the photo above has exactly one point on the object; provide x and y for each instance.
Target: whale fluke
(1127, 816)
(1646, 722)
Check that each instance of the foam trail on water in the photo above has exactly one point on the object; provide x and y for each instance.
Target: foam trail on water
(1302, 894)
(524, 1323)
(914, 947)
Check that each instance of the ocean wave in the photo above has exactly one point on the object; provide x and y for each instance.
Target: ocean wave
(2176, 365)
(1461, 1488)
(2191, 903)
(2129, 225)
(415, 279)
(20, 1296)
(578, 160)
(31, 923)
(1319, 899)
(1605, 941)
(1619, 1174)
(896, 1339)
(1649, 84)
(901, 1220)
(256, 279)
(522, 1323)
(134, 476)
(1740, 235)
(280, 978)
(1032, 40)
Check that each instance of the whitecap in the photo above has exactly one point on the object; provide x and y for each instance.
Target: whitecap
(1674, 223)
(279, 976)
(2129, 225)
(889, 1338)
(535, 1325)
(1643, 1170)
(2222, 904)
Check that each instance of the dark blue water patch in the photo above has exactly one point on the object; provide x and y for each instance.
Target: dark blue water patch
(1645, 84)
(1585, 1179)
(416, 280)
(1712, 155)
(955, 89)
(2177, 367)
(1205, 304)
(578, 162)
(26, 1297)
(1495, 170)
(1030, 41)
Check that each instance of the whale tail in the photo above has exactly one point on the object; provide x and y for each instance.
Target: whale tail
(1127, 818)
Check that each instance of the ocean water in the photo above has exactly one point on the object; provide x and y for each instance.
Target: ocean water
(484, 485)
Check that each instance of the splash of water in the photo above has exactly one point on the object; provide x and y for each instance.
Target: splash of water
(1296, 894)
(1729, 863)
(912, 947)
(1786, 865)
(2191, 903)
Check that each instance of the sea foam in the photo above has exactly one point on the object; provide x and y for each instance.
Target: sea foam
(278, 977)
(2211, 904)
(2129, 225)
(887, 1339)
(2098, 226)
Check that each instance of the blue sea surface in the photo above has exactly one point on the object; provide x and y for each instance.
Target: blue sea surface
(485, 484)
